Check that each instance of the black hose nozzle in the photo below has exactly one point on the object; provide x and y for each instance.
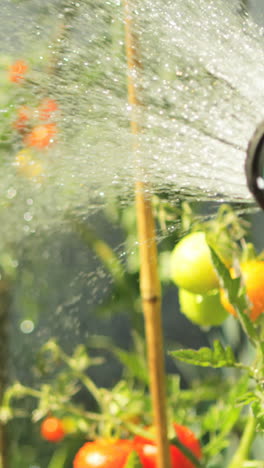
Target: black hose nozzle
(254, 165)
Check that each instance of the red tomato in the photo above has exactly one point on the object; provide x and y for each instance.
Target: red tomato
(147, 452)
(147, 449)
(187, 438)
(103, 454)
(52, 429)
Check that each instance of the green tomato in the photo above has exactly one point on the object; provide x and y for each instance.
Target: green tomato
(191, 264)
(205, 310)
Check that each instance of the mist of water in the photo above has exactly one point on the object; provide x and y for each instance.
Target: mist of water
(201, 87)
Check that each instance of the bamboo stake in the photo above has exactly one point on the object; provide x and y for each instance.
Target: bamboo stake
(149, 279)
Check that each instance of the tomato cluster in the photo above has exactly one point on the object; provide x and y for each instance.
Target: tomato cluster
(193, 272)
(115, 453)
(200, 296)
(35, 126)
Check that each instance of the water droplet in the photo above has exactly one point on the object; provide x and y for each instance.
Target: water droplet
(27, 326)
(11, 193)
(28, 216)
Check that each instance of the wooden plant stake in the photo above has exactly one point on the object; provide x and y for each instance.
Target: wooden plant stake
(149, 279)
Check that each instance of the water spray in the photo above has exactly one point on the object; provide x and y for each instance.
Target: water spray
(254, 165)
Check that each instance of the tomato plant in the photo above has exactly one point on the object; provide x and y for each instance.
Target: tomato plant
(205, 310)
(217, 406)
(191, 264)
(52, 429)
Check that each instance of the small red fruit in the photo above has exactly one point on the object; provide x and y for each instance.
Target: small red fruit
(41, 135)
(52, 429)
(17, 71)
(103, 454)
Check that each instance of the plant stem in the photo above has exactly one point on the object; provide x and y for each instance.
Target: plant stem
(149, 279)
(245, 444)
(59, 458)
(87, 382)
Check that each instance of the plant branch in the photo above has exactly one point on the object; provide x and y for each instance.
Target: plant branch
(243, 450)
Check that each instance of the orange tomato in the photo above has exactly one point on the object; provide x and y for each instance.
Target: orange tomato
(252, 273)
(41, 136)
(47, 108)
(17, 71)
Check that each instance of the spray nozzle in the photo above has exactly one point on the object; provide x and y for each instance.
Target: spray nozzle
(254, 165)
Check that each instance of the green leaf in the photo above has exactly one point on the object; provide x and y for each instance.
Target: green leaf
(207, 357)
(80, 360)
(231, 285)
(258, 411)
(59, 458)
(246, 398)
(187, 452)
(134, 363)
(133, 461)
(236, 295)
(222, 417)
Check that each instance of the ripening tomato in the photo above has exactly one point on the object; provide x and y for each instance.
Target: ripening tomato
(191, 265)
(17, 71)
(205, 310)
(52, 429)
(147, 449)
(41, 136)
(252, 273)
(103, 454)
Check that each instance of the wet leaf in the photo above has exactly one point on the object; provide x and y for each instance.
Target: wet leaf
(207, 357)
